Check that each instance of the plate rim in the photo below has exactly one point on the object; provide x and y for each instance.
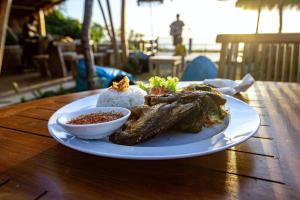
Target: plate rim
(155, 157)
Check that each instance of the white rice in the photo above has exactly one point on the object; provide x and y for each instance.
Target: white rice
(132, 97)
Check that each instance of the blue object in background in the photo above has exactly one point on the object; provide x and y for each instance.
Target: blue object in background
(199, 69)
(105, 76)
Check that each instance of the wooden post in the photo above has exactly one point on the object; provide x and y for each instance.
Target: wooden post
(292, 69)
(104, 19)
(276, 68)
(258, 16)
(123, 34)
(269, 64)
(298, 66)
(280, 9)
(41, 23)
(284, 62)
(85, 40)
(114, 42)
(4, 15)
(190, 45)
(222, 63)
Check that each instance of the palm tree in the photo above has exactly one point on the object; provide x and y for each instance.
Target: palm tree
(269, 4)
(252, 4)
(113, 35)
(123, 34)
(111, 32)
(104, 18)
(85, 39)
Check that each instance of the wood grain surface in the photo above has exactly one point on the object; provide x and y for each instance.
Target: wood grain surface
(35, 166)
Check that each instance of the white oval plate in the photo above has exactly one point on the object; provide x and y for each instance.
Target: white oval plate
(241, 124)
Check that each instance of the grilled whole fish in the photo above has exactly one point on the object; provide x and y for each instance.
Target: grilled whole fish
(207, 111)
(210, 109)
(187, 111)
(148, 121)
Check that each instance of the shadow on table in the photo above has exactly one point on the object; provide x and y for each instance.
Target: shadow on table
(68, 172)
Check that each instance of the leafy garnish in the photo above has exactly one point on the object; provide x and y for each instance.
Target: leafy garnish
(143, 86)
(156, 83)
(171, 83)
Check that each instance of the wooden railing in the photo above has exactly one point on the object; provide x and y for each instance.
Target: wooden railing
(271, 57)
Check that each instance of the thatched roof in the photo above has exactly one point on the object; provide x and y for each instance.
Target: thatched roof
(269, 4)
(149, 1)
(21, 8)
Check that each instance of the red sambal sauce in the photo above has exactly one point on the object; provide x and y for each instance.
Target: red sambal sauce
(94, 118)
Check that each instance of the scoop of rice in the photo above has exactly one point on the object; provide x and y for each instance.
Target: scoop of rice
(132, 97)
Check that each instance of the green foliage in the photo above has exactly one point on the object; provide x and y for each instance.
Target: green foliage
(4, 102)
(143, 86)
(59, 26)
(171, 83)
(96, 32)
(39, 94)
(16, 87)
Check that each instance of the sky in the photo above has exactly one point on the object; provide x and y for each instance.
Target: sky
(203, 19)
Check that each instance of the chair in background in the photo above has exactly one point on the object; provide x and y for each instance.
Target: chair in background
(57, 65)
(268, 57)
(41, 59)
(199, 69)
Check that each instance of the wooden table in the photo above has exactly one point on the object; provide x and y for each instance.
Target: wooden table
(35, 166)
(173, 61)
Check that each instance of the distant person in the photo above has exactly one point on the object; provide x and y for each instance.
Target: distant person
(30, 30)
(30, 42)
(176, 31)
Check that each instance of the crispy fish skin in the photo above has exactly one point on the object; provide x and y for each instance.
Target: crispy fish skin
(188, 110)
(209, 109)
(157, 119)
(207, 113)
(185, 96)
(152, 100)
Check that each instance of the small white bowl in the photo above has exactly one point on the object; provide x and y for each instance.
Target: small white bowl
(93, 131)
